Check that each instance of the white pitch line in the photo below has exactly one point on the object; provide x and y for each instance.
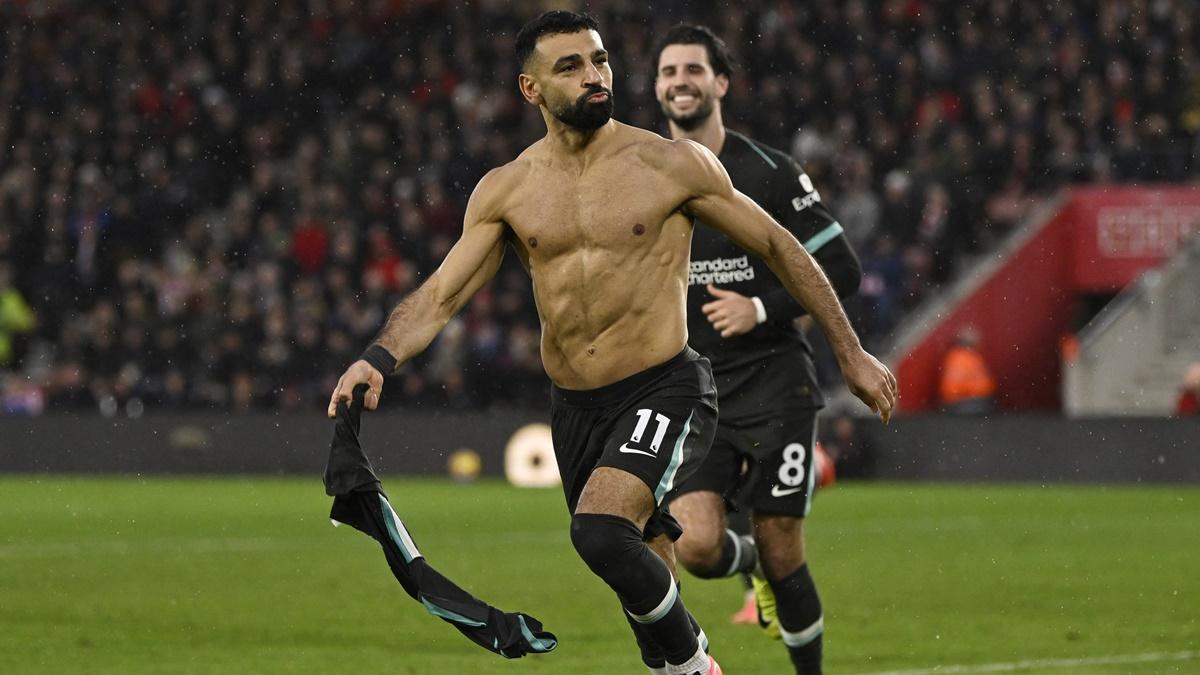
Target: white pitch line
(1149, 657)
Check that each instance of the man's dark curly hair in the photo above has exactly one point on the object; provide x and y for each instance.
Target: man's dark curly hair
(550, 23)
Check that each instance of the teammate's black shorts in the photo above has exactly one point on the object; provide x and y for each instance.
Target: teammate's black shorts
(765, 464)
(657, 424)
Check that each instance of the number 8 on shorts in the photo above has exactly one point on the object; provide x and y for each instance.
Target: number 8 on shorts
(791, 472)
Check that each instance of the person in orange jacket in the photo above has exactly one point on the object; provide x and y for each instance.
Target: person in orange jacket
(966, 386)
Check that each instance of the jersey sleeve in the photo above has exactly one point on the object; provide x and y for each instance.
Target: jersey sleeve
(796, 204)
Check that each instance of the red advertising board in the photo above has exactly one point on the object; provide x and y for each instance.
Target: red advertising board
(1119, 232)
(1099, 241)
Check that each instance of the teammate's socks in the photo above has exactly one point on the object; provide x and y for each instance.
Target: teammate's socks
(739, 555)
(800, 621)
(746, 582)
(807, 658)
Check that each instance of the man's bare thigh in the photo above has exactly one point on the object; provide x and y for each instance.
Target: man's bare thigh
(701, 514)
(616, 492)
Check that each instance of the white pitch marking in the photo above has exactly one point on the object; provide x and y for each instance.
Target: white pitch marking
(1148, 657)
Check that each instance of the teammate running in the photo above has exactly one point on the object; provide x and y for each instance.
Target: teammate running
(600, 213)
(742, 319)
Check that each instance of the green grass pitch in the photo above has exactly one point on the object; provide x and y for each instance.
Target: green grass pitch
(163, 575)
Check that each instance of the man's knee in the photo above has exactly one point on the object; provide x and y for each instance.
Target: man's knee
(613, 549)
(702, 515)
(699, 549)
(604, 541)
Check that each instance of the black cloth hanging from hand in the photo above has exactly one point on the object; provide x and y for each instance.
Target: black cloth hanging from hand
(359, 501)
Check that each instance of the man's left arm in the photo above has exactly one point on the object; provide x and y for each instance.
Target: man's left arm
(796, 204)
(712, 197)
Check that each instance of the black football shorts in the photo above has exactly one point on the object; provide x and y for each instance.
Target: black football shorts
(657, 425)
(766, 465)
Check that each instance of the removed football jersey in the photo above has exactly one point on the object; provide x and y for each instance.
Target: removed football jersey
(359, 501)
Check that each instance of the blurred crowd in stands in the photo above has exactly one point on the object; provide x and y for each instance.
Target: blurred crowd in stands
(213, 203)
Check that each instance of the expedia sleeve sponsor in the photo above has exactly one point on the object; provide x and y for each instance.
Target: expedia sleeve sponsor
(720, 271)
(806, 201)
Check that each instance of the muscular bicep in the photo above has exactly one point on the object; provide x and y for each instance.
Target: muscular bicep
(741, 219)
(472, 262)
(476, 256)
(713, 199)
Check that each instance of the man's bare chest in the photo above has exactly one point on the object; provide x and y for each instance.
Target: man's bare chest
(557, 215)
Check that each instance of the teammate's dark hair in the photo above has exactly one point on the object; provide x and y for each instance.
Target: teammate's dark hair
(719, 56)
(550, 23)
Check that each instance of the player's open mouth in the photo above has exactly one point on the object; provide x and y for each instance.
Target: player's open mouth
(598, 97)
(684, 98)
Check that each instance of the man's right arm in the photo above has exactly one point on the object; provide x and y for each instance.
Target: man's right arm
(413, 323)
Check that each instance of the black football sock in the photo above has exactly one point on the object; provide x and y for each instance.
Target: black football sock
(613, 549)
(800, 620)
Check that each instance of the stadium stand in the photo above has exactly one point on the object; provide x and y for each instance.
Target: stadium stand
(213, 204)
(1130, 357)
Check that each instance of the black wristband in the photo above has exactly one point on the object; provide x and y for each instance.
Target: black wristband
(380, 359)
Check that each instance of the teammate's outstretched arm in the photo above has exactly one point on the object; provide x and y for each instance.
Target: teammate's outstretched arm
(714, 199)
(413, 323)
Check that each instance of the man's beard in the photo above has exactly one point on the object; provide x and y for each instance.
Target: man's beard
(693, 119)
(587, 116)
